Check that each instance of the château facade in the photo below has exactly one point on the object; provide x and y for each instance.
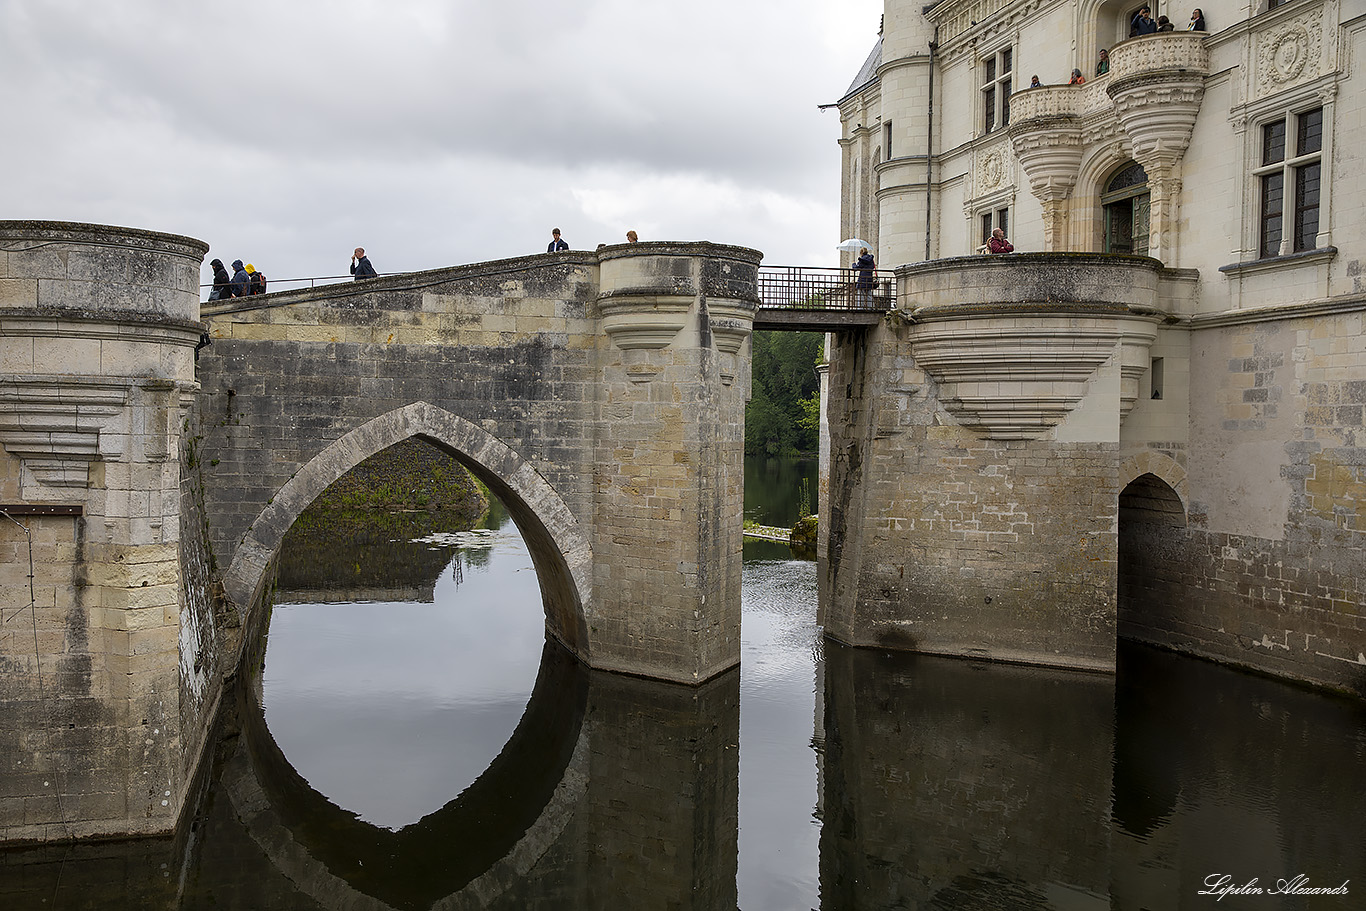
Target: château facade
(1155, 409)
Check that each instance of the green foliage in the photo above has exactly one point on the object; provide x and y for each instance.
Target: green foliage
(783, 415)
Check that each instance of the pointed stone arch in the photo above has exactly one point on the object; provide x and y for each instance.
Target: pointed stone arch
(559, 549)
(1159, 465)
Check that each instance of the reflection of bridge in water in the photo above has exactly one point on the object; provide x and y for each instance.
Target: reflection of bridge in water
(943, 784)
(610, 789)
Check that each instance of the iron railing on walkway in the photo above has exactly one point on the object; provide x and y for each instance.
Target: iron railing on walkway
(780, 288)
(817, 288)
(293, 284)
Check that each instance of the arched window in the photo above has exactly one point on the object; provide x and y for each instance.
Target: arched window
(1124, 204)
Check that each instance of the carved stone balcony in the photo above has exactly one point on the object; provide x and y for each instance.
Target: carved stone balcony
(1157, 83)
(1018, 342)
(1047, 139)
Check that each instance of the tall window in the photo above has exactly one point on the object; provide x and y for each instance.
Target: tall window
(996, 72)
(1292, 152)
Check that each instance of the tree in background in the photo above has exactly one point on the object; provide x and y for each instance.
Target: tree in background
(782, 418)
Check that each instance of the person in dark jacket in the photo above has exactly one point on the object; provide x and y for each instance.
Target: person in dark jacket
(557, 242)
(1165, 25)
(864, 266)
(241, 281)
(222, 282)
(1142, 24)
(1197, 23)
(360, 265)
(258, 280)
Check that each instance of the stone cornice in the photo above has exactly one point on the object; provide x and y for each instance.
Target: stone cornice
(1329, 306)
(964, 23)
(1272, 263)
(23, 235)
(54, 322)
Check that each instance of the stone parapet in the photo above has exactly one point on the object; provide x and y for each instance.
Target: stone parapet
(96, 270)
(1177, 55)
(1015, 340)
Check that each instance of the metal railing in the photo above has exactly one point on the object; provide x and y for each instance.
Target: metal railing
(817, 288)
(780, 287)
(292, 284)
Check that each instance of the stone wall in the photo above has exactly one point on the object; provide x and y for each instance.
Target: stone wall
(1269, 571)
(941, 541)
(97, 332)
(975, 454)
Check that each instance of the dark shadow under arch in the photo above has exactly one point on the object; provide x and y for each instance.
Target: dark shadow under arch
(1148, 498)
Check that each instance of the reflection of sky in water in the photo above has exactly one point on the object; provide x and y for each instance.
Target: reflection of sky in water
(391, 709)
(780, 643)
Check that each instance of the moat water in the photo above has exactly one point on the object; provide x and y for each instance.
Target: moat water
(420, 745)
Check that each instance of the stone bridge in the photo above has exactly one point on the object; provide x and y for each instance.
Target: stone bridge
(146, 488)
(600, 395)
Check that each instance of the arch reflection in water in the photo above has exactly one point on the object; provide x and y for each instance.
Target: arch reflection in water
(612, 791)
(392, 707)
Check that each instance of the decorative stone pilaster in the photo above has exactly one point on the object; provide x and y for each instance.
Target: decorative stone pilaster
(1047, 137)
(1157, 83)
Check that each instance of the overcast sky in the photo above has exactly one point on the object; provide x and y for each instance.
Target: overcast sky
(431, 132)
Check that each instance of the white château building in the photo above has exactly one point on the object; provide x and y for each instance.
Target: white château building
(1159, 400)
(1247, 138)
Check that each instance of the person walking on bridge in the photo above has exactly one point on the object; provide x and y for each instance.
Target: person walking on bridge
(241, 281)
(360, 265)
(222, 282)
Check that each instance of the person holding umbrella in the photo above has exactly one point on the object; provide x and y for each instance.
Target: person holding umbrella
(864, 266)
(862, 269)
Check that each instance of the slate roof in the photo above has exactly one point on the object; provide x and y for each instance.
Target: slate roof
(868, 72)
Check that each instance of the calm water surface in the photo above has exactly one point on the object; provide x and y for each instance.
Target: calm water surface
(423, 747)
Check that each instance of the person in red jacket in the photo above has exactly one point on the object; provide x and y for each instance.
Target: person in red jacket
(999, 244)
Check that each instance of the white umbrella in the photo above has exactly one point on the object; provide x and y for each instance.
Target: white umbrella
(853, 244)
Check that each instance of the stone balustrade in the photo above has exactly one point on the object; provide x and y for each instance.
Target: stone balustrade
(1169, 54)
(1046, 102)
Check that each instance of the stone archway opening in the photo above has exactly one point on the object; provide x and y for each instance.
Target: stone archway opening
(404, 628)
(1125, 207)
(1152, 537)
(559, 550)
(359, 539)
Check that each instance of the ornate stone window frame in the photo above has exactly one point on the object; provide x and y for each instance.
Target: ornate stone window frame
(991, 206)
(1000, 59)
(1251, 121)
